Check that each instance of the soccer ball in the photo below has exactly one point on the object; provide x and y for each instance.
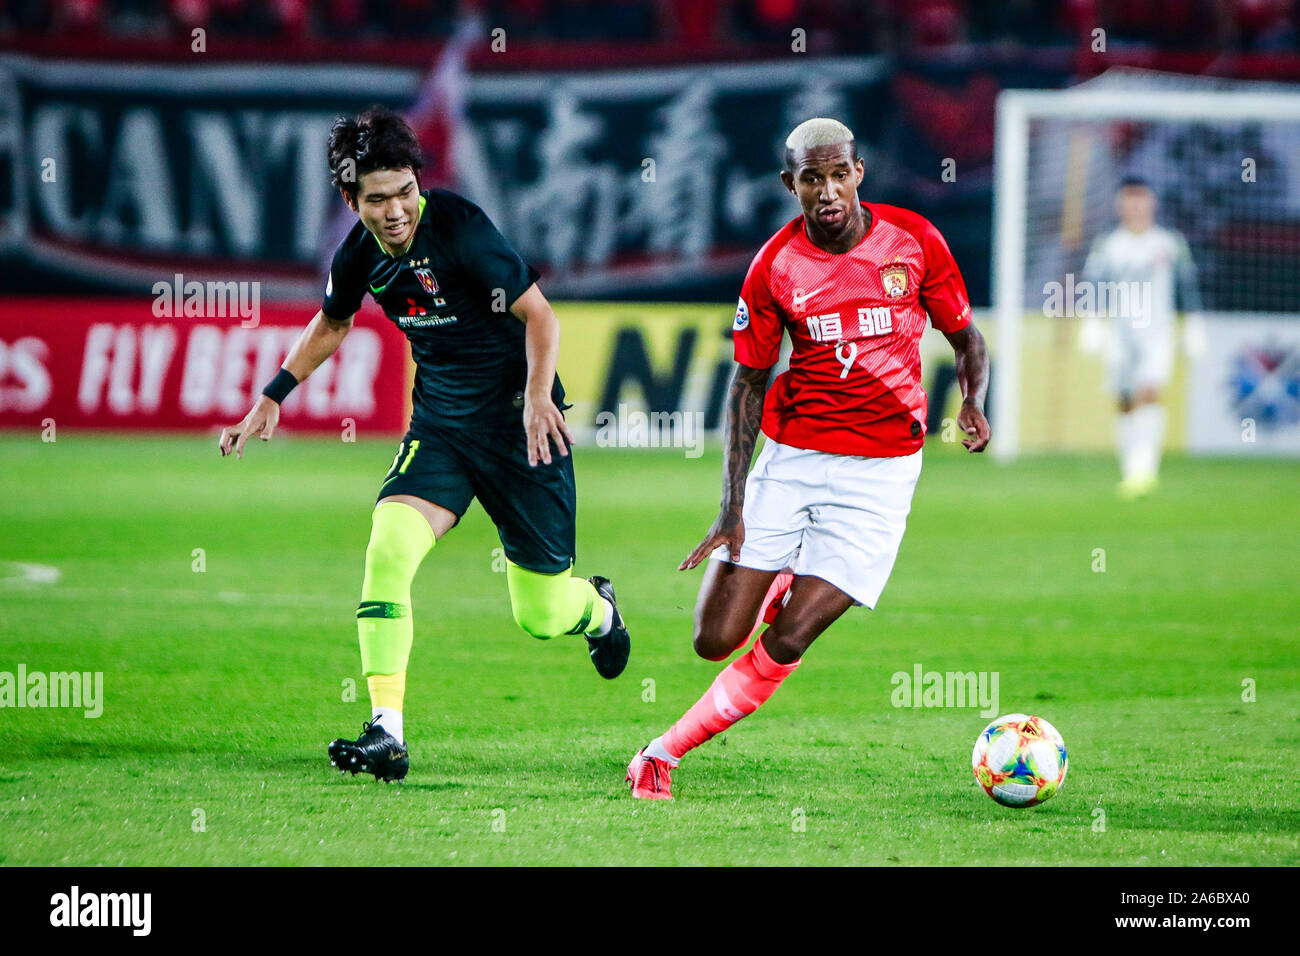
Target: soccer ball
(1019, 760)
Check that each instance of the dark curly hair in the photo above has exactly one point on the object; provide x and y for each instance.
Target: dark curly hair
(376, 139)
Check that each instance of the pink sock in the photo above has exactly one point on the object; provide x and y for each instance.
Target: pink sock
(772, 602)
(737, 692)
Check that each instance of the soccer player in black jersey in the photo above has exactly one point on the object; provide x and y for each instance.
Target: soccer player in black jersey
(487, 420)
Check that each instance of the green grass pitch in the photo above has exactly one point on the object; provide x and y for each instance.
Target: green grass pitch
(225, 671)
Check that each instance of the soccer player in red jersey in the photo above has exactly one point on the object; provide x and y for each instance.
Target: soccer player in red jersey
(852, 284)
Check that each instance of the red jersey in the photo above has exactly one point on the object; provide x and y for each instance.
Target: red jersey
(855, 320)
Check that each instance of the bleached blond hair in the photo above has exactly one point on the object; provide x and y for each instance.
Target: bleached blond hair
(818, 131)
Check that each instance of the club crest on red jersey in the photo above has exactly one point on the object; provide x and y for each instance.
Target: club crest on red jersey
(427, 280)
(894, 278)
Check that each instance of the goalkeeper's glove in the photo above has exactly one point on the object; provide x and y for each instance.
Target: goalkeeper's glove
(1092, 335)
(1194, 340)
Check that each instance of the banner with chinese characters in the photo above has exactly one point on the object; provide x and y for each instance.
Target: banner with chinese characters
(631, 183)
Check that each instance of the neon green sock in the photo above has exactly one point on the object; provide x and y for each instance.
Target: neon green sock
(400, 537)
(545, 605)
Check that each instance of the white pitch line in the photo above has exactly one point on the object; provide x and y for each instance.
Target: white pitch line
(22, 572)
(216, 597)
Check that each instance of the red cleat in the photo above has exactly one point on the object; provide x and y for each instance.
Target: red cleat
(650, 777)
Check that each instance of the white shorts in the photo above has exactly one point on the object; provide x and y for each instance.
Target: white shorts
(1140, 358)
(836, 517)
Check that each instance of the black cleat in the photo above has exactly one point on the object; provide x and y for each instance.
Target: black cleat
(375, 751)
(609, 653)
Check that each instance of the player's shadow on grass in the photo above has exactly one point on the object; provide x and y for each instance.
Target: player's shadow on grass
(116, 749)
(1061, 812)
(232, 754)
(1196, 818)
(434, 787)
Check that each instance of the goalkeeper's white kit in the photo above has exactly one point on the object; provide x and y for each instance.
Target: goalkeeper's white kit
(1139, 279)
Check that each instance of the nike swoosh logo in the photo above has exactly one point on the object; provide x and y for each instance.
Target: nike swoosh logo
(375, 291)
(799, 300)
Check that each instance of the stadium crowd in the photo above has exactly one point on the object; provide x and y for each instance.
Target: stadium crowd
(833, 26)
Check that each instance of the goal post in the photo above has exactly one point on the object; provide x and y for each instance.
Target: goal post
(1225, 164)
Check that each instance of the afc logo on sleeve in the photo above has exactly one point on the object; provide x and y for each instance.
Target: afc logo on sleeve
(742, 317)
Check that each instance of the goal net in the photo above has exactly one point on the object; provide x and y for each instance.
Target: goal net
(1223, 160)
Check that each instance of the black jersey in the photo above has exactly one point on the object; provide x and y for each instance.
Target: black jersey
(451, 293)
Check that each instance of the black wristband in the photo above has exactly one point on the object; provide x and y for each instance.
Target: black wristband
(280, 386)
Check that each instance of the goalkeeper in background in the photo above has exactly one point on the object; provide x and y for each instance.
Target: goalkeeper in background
(1141, 272)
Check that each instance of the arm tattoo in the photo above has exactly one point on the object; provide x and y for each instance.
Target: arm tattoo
(972, 362)
(744, 414)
